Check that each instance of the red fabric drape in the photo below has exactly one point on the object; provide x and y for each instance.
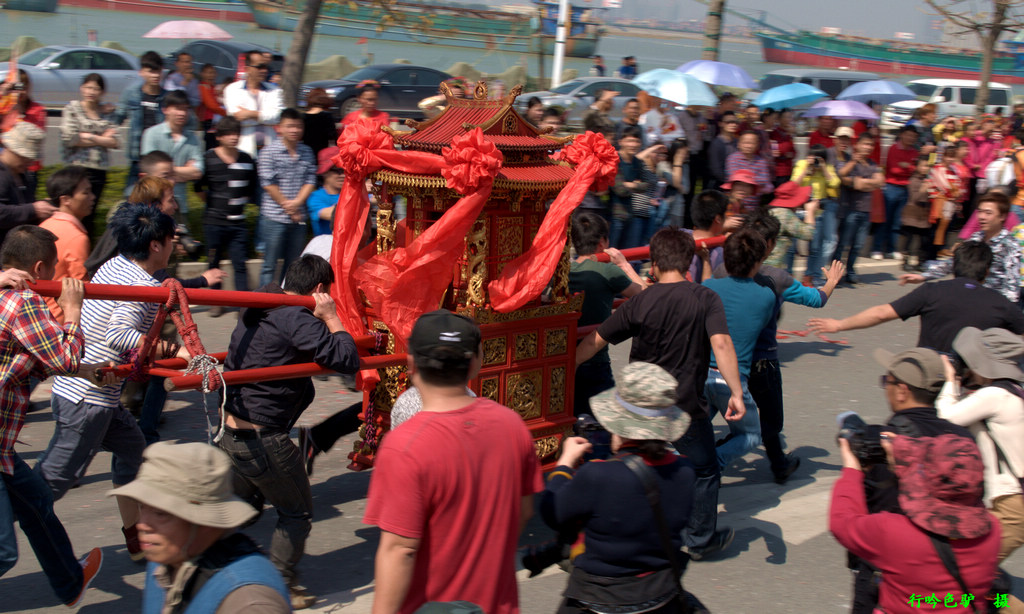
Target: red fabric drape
(363, 149)
(404, 283)
(525, 278)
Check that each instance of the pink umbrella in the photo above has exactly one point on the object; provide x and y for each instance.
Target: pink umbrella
(188, 29)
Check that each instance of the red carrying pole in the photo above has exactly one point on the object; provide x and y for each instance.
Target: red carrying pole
(644, 252)
(196, 296)
(176, 381)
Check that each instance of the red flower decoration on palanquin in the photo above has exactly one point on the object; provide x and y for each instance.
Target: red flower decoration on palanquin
(470, 162)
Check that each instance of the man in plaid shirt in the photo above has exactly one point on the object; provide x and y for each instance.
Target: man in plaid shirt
(32, 342)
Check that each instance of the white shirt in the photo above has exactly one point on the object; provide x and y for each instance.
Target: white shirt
(1004, 414)
(267, 101)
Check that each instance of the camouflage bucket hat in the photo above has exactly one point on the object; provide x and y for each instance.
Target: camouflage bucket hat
(642, 406)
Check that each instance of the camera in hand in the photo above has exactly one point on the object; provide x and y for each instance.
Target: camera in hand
(590, 429)
(189, 243)
(865, 439)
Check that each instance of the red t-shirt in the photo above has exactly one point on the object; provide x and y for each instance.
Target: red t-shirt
(820, 138)
(894, 173)
(454, 480)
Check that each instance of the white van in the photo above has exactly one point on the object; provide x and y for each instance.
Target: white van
(950, 96)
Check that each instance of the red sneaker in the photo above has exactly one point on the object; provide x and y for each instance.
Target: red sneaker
(91, 564)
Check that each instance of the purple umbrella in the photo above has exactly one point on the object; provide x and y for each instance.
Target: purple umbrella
(718, 73)
(841, 109)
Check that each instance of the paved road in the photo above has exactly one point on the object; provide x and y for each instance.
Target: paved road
(783, 559)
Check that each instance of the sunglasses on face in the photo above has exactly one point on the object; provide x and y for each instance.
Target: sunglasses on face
(261, 66)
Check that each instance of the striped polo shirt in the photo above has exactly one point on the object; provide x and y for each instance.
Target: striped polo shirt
(111, 329)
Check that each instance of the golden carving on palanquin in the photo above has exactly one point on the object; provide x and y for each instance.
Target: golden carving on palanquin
(546, 446)
(510, 126)
(489, 389)
(526, 346)
(556, 341)
(557, 388)
(476, 268)
(510, 236)
(523, 393)
(494, 351)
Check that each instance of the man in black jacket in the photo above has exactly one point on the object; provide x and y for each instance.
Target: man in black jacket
(259, 416)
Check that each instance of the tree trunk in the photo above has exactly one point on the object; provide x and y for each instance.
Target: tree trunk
(295, 60)
(713, 30)
(989, 39)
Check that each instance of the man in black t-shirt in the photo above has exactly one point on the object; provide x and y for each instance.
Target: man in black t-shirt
(675, 324)
(945, 307)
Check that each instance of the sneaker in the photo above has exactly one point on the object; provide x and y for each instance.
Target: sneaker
(300, 597)
(945, 253)
(91, 564)
(131, 540)
(792, 463)
(877, 256)
(852, 279)
(307, 448)
(719, 541)
(216, 311)
(896, 256)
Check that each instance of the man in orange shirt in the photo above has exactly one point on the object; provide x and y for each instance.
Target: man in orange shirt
(69, 190)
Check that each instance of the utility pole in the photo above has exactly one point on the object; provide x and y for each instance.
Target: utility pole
(713, 30)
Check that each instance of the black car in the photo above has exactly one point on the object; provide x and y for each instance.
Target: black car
(402, 86)
(223, 55)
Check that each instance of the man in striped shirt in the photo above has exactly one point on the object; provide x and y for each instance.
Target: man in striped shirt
(90, 417)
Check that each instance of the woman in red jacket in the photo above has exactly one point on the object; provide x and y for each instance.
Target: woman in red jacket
(940, 486)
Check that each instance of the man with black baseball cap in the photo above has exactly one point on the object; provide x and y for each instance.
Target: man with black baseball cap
(451, 489)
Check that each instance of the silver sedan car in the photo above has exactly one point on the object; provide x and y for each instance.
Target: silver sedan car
(56, 71)
(576, 96)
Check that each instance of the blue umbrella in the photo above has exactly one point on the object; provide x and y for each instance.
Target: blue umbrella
(789, 95)
(676, 87)
(881, 91)
(718, 73)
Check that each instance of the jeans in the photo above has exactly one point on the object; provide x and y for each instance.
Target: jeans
(698, 445)
(853, 231)
(269, 467)
(887, 237)
(81, 430)
(31, 503)
(283, 241)
(746, 432)
(8, 542)
(823, 244)
(228, 240)
(765, 385)
(152, 406)
(591, 378)
(131, 180)
(617, 231)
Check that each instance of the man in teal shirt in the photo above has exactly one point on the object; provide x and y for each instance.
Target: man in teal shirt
(172, 138)
(749, 307)
(600, 283)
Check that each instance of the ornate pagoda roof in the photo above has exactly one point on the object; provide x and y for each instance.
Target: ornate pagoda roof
(498, 120)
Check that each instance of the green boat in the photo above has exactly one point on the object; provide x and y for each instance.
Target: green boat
(886, 56)
(531, 31)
